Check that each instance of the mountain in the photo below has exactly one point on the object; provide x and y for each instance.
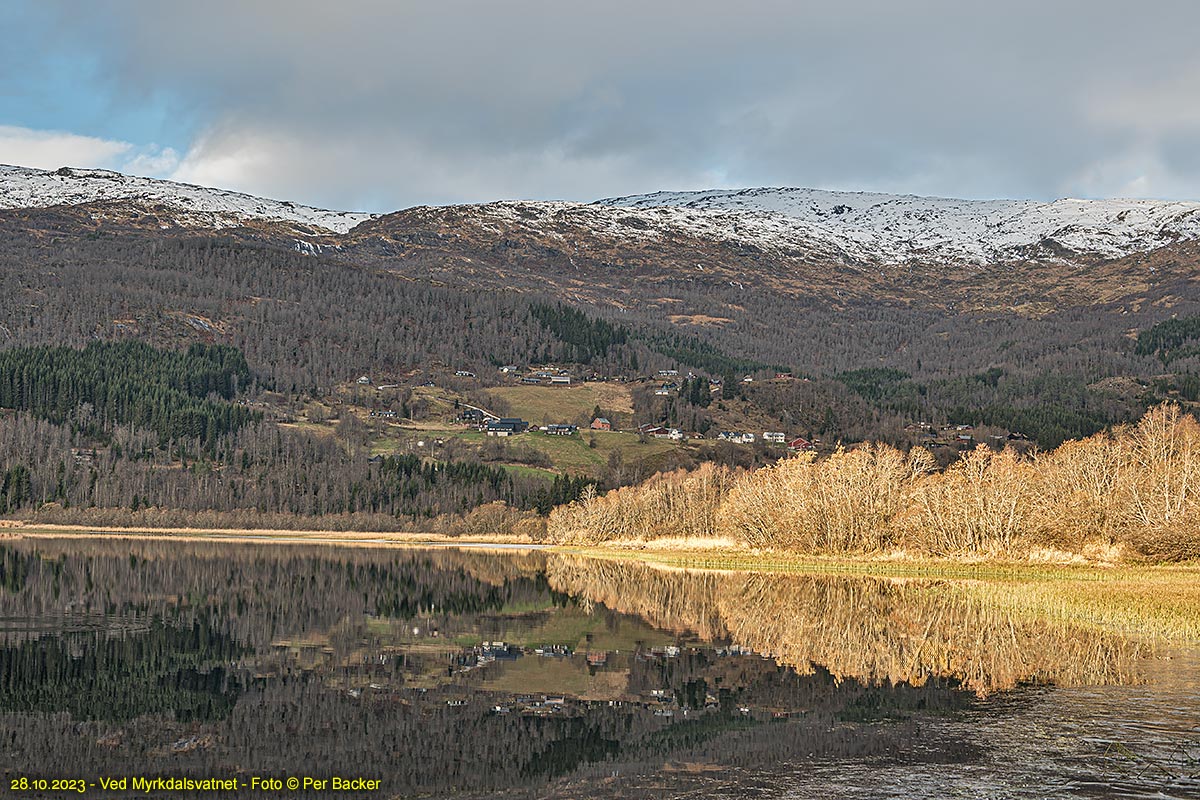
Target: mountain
(892, 229)
(777, 225)
(182, 204)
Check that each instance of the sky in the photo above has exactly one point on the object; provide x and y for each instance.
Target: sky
(378, 105)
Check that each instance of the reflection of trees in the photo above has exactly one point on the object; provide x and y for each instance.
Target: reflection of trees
(273, 659)
(870, 629)
(164, 669)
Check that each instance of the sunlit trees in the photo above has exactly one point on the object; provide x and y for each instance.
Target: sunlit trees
(1136, 488)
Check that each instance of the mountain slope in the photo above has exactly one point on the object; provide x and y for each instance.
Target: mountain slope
(753, 225)
(890, 229)
(181, 203)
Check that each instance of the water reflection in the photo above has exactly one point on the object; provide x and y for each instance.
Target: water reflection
(531, 674)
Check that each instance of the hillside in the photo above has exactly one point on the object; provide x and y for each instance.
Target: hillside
(183, 204)
(835, 317)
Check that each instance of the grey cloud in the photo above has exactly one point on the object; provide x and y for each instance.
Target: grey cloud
(381, 104)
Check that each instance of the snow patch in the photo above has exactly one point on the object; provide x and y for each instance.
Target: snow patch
(23, 187)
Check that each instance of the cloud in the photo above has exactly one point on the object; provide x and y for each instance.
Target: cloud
(378, 105)
(27, 147)
(54, 149)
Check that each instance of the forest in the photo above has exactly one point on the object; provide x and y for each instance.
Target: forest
(134, 369)
(1132, 492)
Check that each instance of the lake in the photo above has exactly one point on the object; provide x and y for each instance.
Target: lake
(471, 673)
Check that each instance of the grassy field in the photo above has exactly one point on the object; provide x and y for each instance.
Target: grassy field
(541, 405)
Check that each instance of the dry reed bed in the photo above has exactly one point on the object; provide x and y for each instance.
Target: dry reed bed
(1133, 492)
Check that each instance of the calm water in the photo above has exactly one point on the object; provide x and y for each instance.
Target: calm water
(445, 673)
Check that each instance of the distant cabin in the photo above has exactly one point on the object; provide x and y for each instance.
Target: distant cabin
(462, 373)
(776, 437)
(561, 430)
(560, 380)
(601, 424)
(364, 381)
(471, 415)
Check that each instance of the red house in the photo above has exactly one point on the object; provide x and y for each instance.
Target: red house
(801, 445)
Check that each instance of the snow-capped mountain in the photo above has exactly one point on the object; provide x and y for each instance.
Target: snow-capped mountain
(884, 228)
(22, 187)
(814, 226)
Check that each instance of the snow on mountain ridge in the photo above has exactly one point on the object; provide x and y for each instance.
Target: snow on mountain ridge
(24, 187)
(814, 224)
(896, 228)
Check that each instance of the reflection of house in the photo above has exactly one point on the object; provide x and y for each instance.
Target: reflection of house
(601, 424)
(777, 437)
(508, 426)
(561, 430)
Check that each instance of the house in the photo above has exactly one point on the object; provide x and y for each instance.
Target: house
(507, 368)
(462, 373)
(748, 379)
(364, 381)
(662, 391)
(667, 373)
(801, 445)
(471, 415)
(601, 424)
(775, 437)
(783, 375)
(560, 380)
(561, 430)
(736, 437)
(507, 426)
(675, 435)
(531, 381)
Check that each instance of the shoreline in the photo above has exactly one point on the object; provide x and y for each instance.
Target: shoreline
(266, 536)
(718, 555)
